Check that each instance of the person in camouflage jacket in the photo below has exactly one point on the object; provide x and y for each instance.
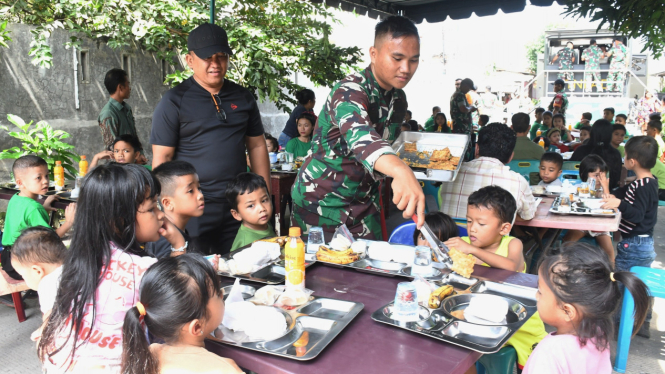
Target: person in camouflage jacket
(592, 56)
(617, 74)
(566, 58)
(338, 182)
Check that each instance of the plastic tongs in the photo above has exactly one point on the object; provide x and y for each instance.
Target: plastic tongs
(440, 249)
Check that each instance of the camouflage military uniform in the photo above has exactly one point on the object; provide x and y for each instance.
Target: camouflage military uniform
(566, 63)
(616, 76)
(592, 57)
(564, 105)
(462, 121)
(337, 183)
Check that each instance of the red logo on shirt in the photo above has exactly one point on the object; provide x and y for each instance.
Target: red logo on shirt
(234, 107)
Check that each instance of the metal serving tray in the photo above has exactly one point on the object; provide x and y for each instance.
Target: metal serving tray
(581, 211)
(439, 324)
(428, 141)
(321, 318)
(270, 273)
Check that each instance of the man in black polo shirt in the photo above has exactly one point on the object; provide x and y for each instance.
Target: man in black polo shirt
(209, 121)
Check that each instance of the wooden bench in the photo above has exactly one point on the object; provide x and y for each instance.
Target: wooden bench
(9, 285)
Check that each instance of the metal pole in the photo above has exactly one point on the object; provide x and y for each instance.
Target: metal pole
(212, 12)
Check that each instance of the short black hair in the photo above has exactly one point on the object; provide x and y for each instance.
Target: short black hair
(540, 110)
(552, 131)
(643, 149)
(497, 199)
(621, 115)
(113, 78)
(484, 117)
(270, 138)
(443, 227)
(655, 115)
(559, 115)
(609, 109)
(308, 116)
(616, 127)
(435, 108)
(537, 139)
(520, 122)
(560, 82)
(242, 184)
(129, 139)
(489, 88)
(656, 125)
(27, 162)
(590, 164)
(406, 125)
(587, 116)
(586, 128)
(496, 140)
(467, 82)
(592, 42)
(168, 173)
(458, 79)
(305, 95)
(552, 157)
(409, 112)
(547, 113)
(396, 27)
(39, 244)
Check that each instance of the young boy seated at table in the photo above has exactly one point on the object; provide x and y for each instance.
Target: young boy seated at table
(608, 114)
(551, 165)
(125, 149)
(250, 204)
(483, 120)
(442, 226)
(23, 211)
(490, 214)
(618, 134)
(584, 121)
(554, 135)
(621, 119)
(585, 134)
(654, 128)
(538, 124)
(38, 254)
(638, 204)
(180, 199)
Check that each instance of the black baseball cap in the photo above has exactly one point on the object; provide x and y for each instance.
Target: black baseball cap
(208, 39)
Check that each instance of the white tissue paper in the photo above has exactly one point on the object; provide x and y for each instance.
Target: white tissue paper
(490, 309)
(252, 258)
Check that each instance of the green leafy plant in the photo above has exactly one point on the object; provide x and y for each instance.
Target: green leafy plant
(41, 140)
(638, 19)
(271, 39)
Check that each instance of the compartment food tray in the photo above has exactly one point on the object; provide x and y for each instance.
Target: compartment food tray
(486, 339)
(457, 143)
(581, 211)
(270, 273)
(322, 318)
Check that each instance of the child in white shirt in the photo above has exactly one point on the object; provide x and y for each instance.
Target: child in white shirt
(551, 164)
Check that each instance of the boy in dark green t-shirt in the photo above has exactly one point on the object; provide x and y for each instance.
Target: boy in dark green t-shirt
(538, 125)
(23, 211)
(250, 204)
(584, 121)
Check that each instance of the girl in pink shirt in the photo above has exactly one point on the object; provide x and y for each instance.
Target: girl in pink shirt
(578, 294)
(181, 303)
(117, 210)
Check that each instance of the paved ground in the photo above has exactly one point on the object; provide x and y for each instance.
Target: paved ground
(646, 356)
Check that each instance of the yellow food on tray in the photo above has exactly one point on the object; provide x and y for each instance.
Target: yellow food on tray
(337, 257)
(440, 155)
(439, 159)
(459, 314)
(439, 294)
(410, 147)
(281, 240)
(462, 263)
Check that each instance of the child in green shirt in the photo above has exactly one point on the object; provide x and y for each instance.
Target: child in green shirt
(618, 134)
(654, 127)
(23, 211)
(250, 204)
(585, 121)
(301, 145)
(538, 125)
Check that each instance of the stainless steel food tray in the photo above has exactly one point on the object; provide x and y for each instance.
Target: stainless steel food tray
(581, 211)
(428, 141)
(322, 318)
(271, 273)
(486, 339)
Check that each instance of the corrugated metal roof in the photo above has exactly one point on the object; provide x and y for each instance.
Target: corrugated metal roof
(433, 10)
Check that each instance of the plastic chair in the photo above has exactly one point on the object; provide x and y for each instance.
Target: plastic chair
(661, 203)
(529, 169)
(502, 362)
(430, 190)
(461, 227)
(11, 286)
(655, 281)
(571, 165)
(569, 174)
(403, 234)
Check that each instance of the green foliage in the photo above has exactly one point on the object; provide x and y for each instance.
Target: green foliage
(4, 35)
(533, 50)
(41, 141)
(271, 39)
(634, 18)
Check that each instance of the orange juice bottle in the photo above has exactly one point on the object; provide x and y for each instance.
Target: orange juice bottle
(570, 127)
(59, 176)
(538, 133)
(541, 143)
(294, 259)
(83, 166)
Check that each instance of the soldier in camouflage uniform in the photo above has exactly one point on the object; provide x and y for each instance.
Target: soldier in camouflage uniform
(338, 182)
(566, 59)
(617, 74)
(460, 114)
(592, 56)
(559, 88)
